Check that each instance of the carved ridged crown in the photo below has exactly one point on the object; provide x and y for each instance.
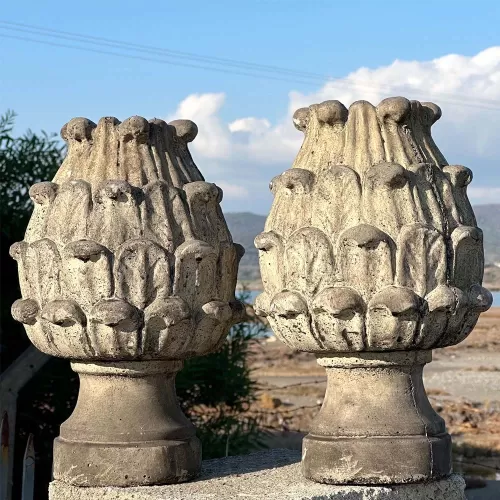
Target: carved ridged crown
(371, 243)
(127, 254)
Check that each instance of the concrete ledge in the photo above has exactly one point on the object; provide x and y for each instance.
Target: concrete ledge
(269, 475)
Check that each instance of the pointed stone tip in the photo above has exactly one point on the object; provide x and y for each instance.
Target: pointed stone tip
(108, 120)
(63, 313)
(332, 112)
(391, 175)
(43, 192)
(459, 175)
(301, 119)
(432, 112)
(185, 129)
(112, 312)
(397, 299)
(17, 248)
(396, 109)
(25, 311)
(135, 127)
(360, 105)
(336, 300)
(78, 129)
(84, 249)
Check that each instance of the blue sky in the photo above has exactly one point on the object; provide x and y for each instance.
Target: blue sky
(245, 134)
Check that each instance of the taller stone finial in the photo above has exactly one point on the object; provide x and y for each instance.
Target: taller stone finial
(370, 259)
(127, 268)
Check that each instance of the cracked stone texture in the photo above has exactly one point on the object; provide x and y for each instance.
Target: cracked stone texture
(370, 258)
(270, 475)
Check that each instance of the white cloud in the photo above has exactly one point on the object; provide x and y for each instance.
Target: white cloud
(232, 190)
(250, 124)
(483, 195)
(212, 141)
(466, 88)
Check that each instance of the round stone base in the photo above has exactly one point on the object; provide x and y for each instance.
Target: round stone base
(270, 475)
(376, 459)
(103, 464)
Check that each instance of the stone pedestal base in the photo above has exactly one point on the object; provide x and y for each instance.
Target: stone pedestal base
(127, 428)
(376, 425)
(270, 475)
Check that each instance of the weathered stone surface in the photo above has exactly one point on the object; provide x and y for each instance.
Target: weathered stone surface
(377, 211)
(273, 475)
(371, 246)
(127, 268)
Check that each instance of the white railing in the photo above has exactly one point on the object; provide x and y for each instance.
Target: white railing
(28, 484)
(12, 381)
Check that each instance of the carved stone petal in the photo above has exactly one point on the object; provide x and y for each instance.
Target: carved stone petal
(135, 159)
(388, 199)
(78, 134)
(70, 213)
(43, 267)
(25, 311)
(64, 325)
(420, 258)
(43, 195)
(460, 177)
(456, 319)
(292, 190)
(362, 121)
(169, 328)
(195, 273)
(291, 322)
(262, 304)
(425, 195)
(430, 114)
(468, 256)
(441, 306)
(185, 132)
(339, 190)
(229, 258)
(18, 251)
(310, 264)
(116, 215)
(212, 324)
(366, 258)
(393, 317)
(323, 125)
(208, 223)
(400, 146)
(480, 300)
(165, 215)
(339, 319)
(293, 181)
(446, 192)
(272, 270)
(115, 329)
(142, 272)
(87, 272)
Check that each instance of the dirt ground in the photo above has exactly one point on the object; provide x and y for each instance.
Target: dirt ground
(463, 384)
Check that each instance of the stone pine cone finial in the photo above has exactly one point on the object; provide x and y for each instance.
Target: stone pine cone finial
(127, 254)
(371, 243)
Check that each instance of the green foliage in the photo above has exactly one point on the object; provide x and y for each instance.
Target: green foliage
(24, 161)
(217, 389)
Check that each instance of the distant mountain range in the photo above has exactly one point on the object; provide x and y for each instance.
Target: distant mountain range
(244, 226)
